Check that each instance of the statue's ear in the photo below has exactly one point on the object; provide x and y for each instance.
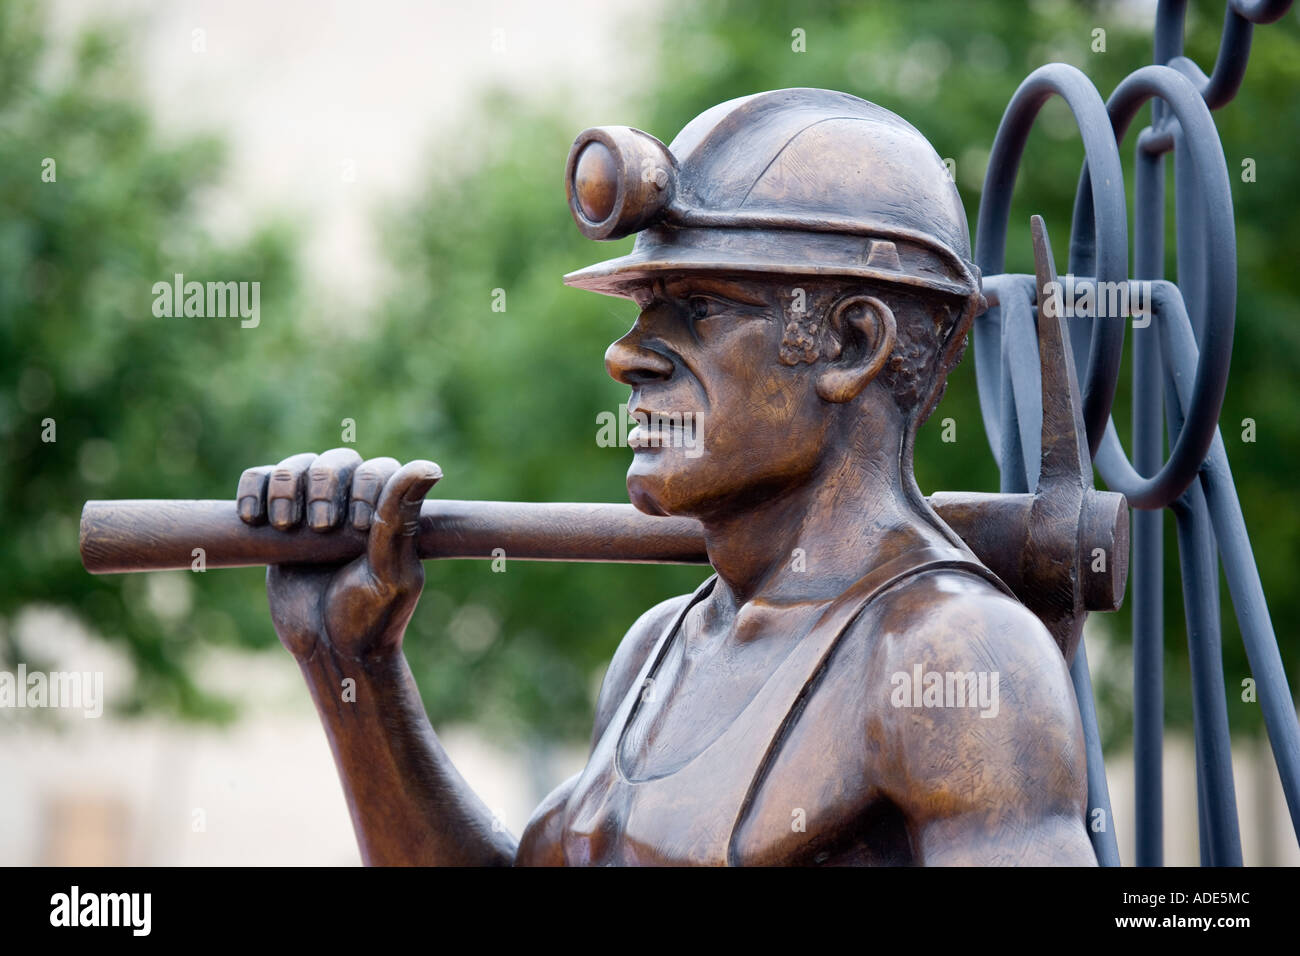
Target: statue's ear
(867, 333)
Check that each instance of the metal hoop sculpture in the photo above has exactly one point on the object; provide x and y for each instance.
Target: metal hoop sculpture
(1181, 356)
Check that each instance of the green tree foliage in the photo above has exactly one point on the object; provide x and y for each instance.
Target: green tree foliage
(140, 406)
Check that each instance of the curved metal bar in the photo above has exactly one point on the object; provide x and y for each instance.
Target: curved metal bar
(1239, 17)
(989, 382)
(1219, 301)
(1222, 84)
(1192, 223)
(1185, 460)
(1022, 442)
(1172, 479)
(1156, 141)
(1011, 455)
(1218, 800)
(1261, 11)
(1242, 574)
(1102, 154)
(1170, 18)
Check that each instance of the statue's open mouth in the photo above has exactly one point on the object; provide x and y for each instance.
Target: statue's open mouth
(663, 429)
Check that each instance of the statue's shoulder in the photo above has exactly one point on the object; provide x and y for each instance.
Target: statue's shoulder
(960, 615)
(960, 680)
(949, 699)
(955, 628)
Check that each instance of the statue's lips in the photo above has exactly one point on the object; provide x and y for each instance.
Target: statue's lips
(655, 430)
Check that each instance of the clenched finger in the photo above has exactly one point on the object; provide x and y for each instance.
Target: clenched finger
(328, 481)
(250, 498)
(367, 484)
(284, 492)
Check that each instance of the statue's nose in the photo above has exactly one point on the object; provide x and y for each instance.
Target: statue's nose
(632, 363)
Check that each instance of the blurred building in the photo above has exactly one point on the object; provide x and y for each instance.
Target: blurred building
(263, 791)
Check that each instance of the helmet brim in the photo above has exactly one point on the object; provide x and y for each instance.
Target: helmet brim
(623, 275)
(923, 265)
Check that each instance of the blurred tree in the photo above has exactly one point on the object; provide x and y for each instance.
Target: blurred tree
(98, 397)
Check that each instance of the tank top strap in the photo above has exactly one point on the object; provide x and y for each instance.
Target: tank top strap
(814, 653)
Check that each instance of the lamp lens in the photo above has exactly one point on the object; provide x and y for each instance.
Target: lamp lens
(595, 181)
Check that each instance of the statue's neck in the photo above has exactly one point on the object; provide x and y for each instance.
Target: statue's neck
(811, 542)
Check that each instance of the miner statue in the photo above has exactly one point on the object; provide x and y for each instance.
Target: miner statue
(852, 685)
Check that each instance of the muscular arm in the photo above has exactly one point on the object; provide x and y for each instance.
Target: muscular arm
(344, 625)
(409, 805)
(541, 844)
(1001, 782)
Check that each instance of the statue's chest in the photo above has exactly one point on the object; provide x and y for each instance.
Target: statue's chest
(802, 797)
(698, 690)
(694, 769)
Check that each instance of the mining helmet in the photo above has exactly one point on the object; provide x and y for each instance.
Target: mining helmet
(804, 182)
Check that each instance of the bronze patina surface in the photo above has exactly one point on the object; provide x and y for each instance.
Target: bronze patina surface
(853, 685)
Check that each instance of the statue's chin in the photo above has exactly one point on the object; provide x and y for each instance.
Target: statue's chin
(643, 500)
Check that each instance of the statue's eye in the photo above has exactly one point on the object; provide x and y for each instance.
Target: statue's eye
(702, 306)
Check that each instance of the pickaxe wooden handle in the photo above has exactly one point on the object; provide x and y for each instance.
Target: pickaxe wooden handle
(120, 536)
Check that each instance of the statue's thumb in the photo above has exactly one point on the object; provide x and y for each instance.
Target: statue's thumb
(397, 518)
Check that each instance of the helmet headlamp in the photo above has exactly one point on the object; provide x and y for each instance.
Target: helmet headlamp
(618, 180)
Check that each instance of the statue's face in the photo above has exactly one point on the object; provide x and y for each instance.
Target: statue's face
(721, 420)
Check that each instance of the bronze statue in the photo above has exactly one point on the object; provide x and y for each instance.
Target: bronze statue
(853, 685)
(802, 304)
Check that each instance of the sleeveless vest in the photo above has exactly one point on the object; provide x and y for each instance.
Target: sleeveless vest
(611, 819)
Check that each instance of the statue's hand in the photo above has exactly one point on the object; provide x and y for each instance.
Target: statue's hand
(361, 608)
